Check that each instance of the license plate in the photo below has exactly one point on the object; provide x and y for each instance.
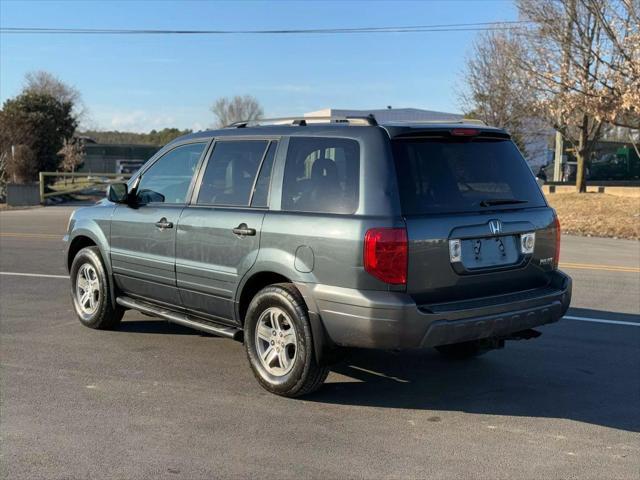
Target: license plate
(489, 252)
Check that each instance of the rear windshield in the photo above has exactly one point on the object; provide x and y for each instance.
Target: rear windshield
(463, 175)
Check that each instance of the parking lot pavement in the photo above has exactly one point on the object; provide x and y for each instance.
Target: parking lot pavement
(155, 400)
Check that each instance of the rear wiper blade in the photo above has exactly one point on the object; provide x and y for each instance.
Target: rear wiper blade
(500, 201)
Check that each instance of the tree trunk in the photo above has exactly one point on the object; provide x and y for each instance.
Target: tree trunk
(581, 155)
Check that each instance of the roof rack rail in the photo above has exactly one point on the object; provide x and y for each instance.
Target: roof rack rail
(304, 121)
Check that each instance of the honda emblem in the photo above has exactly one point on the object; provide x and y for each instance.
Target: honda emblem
(495, 227)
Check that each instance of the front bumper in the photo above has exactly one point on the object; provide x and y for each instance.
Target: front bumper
(376, 319)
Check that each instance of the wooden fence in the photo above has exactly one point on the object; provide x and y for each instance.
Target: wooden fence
(67, 183)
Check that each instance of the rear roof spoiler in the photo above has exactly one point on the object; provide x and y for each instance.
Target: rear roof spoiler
(450, 132)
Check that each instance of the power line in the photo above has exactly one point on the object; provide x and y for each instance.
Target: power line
(453, 27)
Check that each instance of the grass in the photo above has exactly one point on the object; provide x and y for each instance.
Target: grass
(597, 214)
(61, 185)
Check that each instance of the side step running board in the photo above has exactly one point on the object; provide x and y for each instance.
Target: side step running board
(180, 318)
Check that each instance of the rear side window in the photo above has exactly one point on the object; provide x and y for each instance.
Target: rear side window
(321, 175)
(230, 173)
(452, 175)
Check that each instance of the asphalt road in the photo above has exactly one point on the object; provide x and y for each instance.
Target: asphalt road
(155, 400)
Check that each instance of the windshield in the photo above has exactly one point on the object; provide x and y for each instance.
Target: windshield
(443, 175)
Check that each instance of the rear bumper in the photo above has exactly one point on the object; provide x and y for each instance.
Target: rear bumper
(373, 319)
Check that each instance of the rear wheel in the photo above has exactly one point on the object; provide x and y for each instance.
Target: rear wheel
(90, 291)
(279, 343)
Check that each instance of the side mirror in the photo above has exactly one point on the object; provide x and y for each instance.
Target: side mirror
(118, 193)
(148, 196)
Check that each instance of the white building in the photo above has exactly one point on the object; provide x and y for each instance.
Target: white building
(390, 114)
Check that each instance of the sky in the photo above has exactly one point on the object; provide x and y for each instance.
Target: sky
(144, 82)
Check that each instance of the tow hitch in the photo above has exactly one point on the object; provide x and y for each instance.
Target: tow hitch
(494, 343)
(527, 334)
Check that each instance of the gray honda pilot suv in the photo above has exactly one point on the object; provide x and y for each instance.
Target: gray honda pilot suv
(302, 236)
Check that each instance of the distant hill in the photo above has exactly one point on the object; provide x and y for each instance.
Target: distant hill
(154, 137)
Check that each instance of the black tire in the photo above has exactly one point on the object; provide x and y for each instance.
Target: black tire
(305, 375)
(461, 351)
(104, 316)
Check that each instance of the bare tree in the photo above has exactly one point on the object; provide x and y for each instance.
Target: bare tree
(72, 153)
(239, 108)
(41, 81)
(619, 22)
(495, 90)
(581, 75)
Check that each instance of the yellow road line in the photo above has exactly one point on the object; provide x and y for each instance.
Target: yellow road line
(609, 268)
(31, 235)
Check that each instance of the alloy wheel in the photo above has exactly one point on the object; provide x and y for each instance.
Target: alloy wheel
(88, 289)
(276, 341)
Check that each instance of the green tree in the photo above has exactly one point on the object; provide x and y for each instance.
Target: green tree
(40, 122)
(154, 137)
(165, 135)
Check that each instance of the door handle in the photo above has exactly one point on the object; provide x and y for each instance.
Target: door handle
(243, 230)
(163, 223)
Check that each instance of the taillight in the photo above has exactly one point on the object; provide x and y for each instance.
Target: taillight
(556, 255)
(385, 254)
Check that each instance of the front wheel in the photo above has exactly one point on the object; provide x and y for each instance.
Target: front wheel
(90, 291)
(279, 343)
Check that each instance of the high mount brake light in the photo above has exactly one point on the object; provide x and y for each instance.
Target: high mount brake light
(465, 132)
(386, 254)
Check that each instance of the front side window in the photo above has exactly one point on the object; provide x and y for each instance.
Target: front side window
(231, 171)
(168, 179)
(321, 175)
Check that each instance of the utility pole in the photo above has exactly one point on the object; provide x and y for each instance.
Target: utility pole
(13, 160)
(557, 161)
(564, 73)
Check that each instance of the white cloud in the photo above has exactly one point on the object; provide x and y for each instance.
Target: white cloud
(139, 120)
(106, 117)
